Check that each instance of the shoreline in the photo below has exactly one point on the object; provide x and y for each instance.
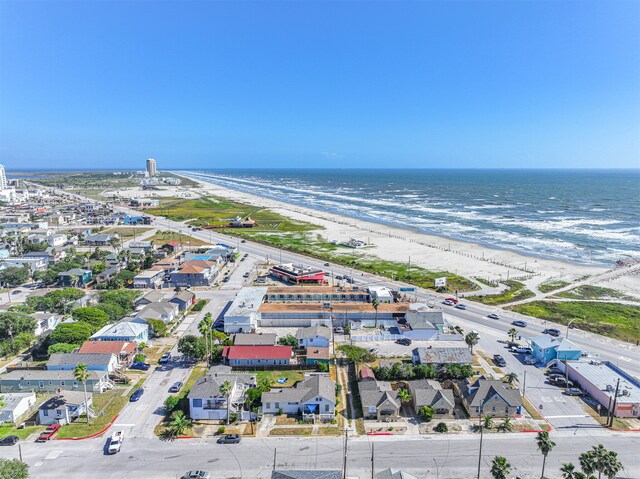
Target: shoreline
(432, 252)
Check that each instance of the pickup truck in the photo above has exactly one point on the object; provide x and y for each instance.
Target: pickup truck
(48, 432)
(115, 443)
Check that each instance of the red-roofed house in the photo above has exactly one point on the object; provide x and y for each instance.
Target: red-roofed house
(257, 355)
(366, 373)
(124, 350)
(172, 246)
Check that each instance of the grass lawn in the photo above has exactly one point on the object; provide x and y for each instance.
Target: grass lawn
(615, 320)
(552, 285)
(593, 292)
(161, 237)
(531, 409)
(127, 232)
(293, 377)
(515, 291)
(291, 431)
(329, 431)
(11, 430)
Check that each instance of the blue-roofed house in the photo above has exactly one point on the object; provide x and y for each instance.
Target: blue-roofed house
(547, 348)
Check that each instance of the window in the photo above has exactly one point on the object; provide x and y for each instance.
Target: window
(75, 384)
(278, 405)
(197, 403)
(62, 383)
(41, 384)
(45, 412)
(326, 408)
(268, 405)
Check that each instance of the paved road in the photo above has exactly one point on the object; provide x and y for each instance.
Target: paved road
(434, 456)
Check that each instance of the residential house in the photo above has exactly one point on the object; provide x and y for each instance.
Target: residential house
(123, 331)
(426, 392)
(164, 311)
(254, 339)
(34, 264)
(172, 247)
(184, 300)
(547, 348)
(47, 257)
(123, 350)
(317, 355)
(107, 275)
(94, 361)
(57, 240)
(207, 402)
(101, 239)
(147, 246)
(44, 380)
(114, 260)
(379, 400)
(153, 296)
(490, 397)
(15, 405)
(64, 408)
(257, 355)
(75, 277)
(195, 273)
(441, 356)
(314, 336)
(149, 279)
(46, 322)
(314, 398)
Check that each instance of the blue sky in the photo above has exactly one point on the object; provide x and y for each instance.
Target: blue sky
(319, 84)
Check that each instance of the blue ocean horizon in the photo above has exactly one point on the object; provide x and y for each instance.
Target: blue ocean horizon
(585, 216)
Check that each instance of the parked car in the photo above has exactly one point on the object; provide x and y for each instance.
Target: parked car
(493, 316)
(338, 329)
(448, 302)
(573, 392)
(48, 433)
(554, 371)
(339, 277)
(9, 441)
(165, 358)
(374, 350)
(225, 279)
(404, 341)
(461, 306)
(196, 474)
(453, 300)
(552, 331)
(530, 360)
(327, 265)
(16, 291)
(115, 442)
(523, 350)
(229, 439)
(560, 381)
(246, 275)
(136, 395)
(140, 366)
(177, 386)
(499, 360)
(476, 333)
(521, 324)
(243, 241)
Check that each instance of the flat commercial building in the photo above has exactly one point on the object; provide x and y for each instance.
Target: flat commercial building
(298, 273)
(599, 380)
(315, 294)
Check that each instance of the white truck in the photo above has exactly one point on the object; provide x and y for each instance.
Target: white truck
(115, 443)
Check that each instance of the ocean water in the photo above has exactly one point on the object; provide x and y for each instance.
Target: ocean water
(582, 216)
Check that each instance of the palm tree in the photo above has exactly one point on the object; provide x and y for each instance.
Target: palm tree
(375, 303)
(545, 445)
(511, 378)
(458, 330)
(204, 327)
(81, 374)
(569, 472)
(598, 460)
(178, 425)
(487, 421)
(513, 332)
(225, 390)
(610, 465)
(404, 395)
(471, 339)
(505, 425)
(500, 467)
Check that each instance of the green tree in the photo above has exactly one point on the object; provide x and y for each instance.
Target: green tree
(611, 466)
(13, 469)
(510, 378)
(471, 339)
(225, 389)
(192, 346)
(500, 467)
(71, 333)
(487, 421)
(14, 276)
(545, 446)
(505, 425)
(288, 340)
(81, 374)
(204, 328)
(263, 384)
(569, 472)
(61, 348)
(512, 333)
(158, 327)
(171, 403)
(113, 310)
(178, 425)
(94, 317)
(426, 413)
(404, 395)
(376, 304)
(422, 371)
(599, 460)
(98, 268)
(13, 323)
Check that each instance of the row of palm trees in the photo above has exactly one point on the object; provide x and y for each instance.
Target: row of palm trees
(598, 461)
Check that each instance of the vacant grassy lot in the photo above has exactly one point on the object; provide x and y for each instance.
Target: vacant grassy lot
(11, 430)
(88, 180)
(609, 319)
(593, 292)
(516, 292)
(549, 286)
(127, 232)
(293, 377)
(162, 237)
(213, 211)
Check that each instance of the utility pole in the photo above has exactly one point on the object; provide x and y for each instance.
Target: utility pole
(275, 454)
(524, 384)
(481, 432)
(615, 402)
(344, 455)
(373, 464)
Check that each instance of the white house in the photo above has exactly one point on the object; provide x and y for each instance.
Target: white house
(15, 405)
(123, 331)
(63, 408)
(314, 336)
(46, 322)
(313, 398)
(207, 402)
(164, 311)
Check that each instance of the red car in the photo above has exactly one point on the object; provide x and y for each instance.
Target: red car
(48, 432)
(453, 300)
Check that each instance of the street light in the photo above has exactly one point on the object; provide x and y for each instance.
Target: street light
(569, 326)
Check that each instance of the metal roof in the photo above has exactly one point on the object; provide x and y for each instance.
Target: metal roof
(603, 374)
(248, 301)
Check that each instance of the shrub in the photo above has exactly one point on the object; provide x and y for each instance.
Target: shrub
(288, 340)
(221, 430)
(61, 348)
(426, 413)
(158, 327)
(322, 367)
(94, 317)
(199, 305)
(171, 403)
(71, 333)
(357, 354)
(441, 427)
(139, 358)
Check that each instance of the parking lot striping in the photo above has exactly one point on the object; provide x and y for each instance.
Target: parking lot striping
(624, 358)
(568, 416)
(124, 425)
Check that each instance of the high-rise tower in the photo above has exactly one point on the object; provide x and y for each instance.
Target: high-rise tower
(151, 167)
